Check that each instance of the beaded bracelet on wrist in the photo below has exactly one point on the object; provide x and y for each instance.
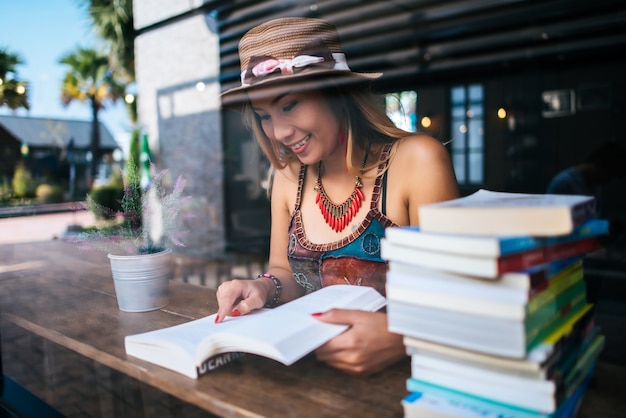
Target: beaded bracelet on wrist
(275, 301)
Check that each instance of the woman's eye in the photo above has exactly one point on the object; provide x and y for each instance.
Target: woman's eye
(289, 106)
(263, 117)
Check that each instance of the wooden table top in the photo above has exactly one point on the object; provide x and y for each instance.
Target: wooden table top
(67, 296)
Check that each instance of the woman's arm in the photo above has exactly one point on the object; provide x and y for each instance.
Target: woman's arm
(239, 297)
(365, 348)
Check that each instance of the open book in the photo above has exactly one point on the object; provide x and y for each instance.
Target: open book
(285, 334)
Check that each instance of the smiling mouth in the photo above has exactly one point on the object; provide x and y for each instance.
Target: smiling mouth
(300, 144)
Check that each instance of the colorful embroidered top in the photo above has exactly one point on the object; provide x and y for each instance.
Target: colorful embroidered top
(354, 259)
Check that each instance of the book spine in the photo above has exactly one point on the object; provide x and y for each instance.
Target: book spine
(583, 366)
(572, 248)
(583, 212)
(539, 332)
(571, 354)
(520, 261)
(217, 361)
(557, 284)
(559, 305)
(557, 344)
(591, 228)
(551, 270)
(548, 254)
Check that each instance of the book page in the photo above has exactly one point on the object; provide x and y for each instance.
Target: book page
(285, 333)
(488, 198)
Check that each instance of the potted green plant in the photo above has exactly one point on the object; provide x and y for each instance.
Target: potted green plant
(140, 239)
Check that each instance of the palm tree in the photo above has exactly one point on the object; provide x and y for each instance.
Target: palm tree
(13, 91)
(89, 78)
(113, 21)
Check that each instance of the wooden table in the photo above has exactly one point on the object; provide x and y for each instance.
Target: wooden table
(66, 296)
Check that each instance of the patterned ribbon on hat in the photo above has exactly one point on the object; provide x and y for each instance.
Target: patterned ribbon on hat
(316, 54)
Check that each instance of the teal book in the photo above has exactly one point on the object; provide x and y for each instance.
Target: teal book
(425, 400)
(542, 395)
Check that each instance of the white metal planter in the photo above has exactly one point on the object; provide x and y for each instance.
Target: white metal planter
(142, 281)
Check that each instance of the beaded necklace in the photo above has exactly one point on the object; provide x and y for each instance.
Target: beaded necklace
(338, 216)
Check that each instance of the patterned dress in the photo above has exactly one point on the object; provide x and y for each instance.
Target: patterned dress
(354, 259)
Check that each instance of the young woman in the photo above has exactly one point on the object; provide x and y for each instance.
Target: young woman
(343, 173)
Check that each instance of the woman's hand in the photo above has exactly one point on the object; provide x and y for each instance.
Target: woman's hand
(239, 297)
(365, 348)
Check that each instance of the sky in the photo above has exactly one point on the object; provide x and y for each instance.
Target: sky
(41, 32)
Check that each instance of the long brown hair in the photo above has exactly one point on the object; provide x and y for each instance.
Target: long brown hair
(362, 114)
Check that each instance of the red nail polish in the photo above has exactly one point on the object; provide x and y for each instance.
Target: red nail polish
(217, 318)
(235, 312)
(315, 314)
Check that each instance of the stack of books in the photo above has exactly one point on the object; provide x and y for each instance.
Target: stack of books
(489, 294)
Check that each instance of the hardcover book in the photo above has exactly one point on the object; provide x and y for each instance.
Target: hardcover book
(488, 267)
(486, 334)
(543, 395)
(513, 287)
(486, 245)
(540, 362)
(426, 400)
(285, 334)
(501, 213)
(410, 289)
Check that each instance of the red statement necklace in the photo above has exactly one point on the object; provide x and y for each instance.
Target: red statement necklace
(339, 216)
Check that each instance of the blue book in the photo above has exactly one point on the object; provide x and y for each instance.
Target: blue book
(486, 245)
(426, 398)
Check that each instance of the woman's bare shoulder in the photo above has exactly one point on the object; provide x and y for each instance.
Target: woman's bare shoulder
(419, 148)
(285, 183)
(288, 174)
(422, 171)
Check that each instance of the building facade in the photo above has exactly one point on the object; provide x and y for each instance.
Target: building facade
(54, 149)
(518, 89)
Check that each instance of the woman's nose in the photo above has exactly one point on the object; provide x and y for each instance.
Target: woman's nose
(282, 130)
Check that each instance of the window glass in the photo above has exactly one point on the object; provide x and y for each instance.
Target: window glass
(476, 93)
(458, 160)
(467, 132)
(476, 167)
(400, 107)
(475, 134)
(458, 95)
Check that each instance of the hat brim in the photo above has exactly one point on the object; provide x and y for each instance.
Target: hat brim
(306, 80)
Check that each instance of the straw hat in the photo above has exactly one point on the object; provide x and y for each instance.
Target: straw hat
(289, 49)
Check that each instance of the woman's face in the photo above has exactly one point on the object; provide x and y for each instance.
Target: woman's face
(301, 121)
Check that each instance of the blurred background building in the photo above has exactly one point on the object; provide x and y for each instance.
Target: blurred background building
(55, 148)
(522, 88)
